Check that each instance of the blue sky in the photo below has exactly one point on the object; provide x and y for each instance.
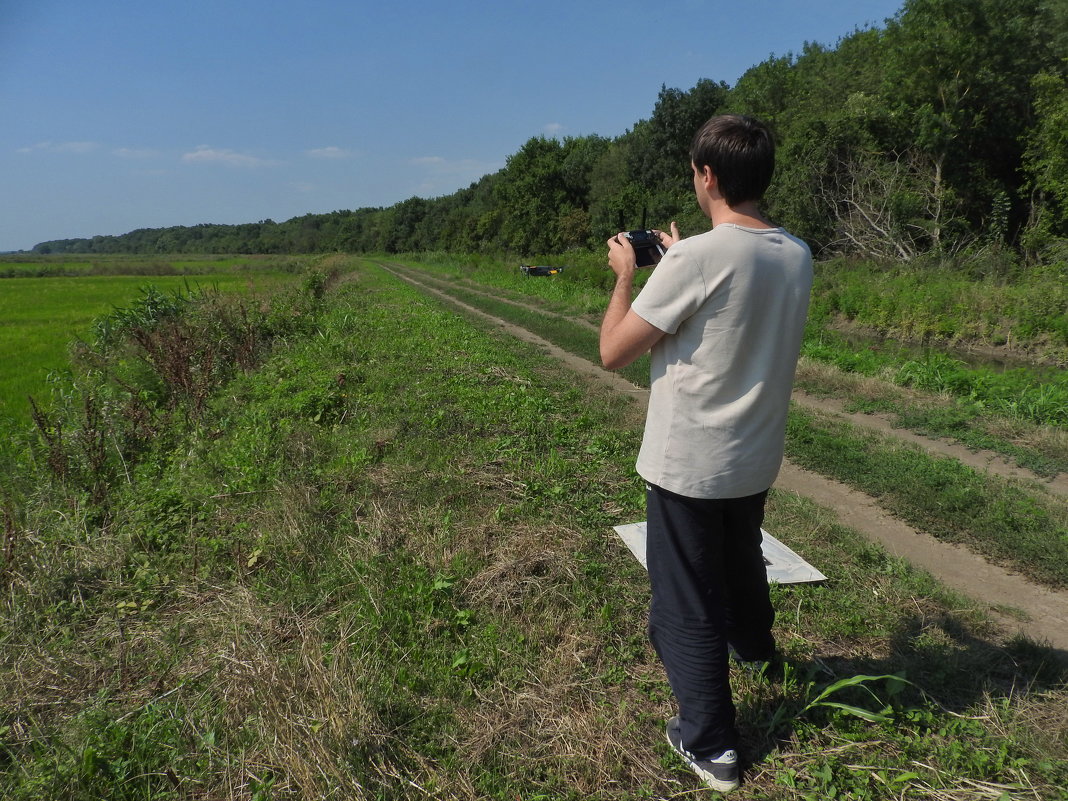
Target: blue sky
(119, 115)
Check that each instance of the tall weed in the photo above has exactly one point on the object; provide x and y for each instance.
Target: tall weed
(150, 367)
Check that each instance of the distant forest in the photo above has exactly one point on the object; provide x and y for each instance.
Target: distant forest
(944, 131)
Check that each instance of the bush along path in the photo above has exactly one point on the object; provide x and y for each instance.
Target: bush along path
(376, 562)
(966, 518)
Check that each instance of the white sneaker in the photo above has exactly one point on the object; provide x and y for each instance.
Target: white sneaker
(719, 773)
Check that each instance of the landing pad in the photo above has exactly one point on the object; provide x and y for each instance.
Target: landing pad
(784, 566)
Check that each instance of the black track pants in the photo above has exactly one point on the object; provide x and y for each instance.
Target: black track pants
(709, 590)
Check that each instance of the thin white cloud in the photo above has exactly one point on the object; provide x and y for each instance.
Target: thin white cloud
(205, 154)
(135, 152)
(442, 175)
(437, 165)
(329, 153)
(552, 129)
(60, 147)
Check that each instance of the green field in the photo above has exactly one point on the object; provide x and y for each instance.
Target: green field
(37, 266)
(379, 565)
(362, 561)
(41, 316)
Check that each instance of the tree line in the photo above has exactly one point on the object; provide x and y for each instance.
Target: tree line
(942, 131)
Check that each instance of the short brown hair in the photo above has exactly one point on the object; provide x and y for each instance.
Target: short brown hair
(741, 153)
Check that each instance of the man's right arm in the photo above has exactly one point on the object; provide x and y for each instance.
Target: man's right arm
(624, 335)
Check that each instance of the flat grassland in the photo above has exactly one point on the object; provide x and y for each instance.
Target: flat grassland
(45, 304)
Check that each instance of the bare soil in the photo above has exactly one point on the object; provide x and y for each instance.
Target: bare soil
(1018, 604)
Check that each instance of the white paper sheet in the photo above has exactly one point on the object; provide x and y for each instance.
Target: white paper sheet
(784, 566)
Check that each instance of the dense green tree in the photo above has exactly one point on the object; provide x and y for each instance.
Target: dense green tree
(767, 91)
(664, 142)
(958, 79)
(615, 197)
(1046, 160)
(824, 108)
(531, 194)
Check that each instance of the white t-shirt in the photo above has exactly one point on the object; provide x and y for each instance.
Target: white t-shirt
(733, 303)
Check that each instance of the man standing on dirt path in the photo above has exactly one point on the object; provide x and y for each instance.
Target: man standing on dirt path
(723, 315)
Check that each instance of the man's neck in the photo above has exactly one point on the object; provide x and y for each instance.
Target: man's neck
(745, 214)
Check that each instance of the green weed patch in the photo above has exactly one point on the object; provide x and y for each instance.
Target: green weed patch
(937, 304)
(43, 316)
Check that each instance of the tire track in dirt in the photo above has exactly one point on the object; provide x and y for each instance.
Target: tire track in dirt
(1046, 610)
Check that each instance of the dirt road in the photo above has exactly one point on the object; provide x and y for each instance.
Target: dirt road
(1043, 613)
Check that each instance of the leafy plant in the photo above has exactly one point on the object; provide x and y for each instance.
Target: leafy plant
(894, 684)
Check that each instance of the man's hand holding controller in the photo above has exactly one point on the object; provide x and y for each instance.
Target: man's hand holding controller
(623, 258)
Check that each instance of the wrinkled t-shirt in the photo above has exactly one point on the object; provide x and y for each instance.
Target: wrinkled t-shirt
(733, 303)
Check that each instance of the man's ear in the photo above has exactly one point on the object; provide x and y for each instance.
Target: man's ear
(708, 177)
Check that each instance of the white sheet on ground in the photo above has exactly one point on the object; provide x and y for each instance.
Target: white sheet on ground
(784, 566)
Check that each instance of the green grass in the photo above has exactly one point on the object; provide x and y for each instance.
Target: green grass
(938, 496)
(996, 303)
(39, 317)
(381, 566)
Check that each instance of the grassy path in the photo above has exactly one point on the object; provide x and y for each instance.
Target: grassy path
(1045, 611)
(986, 460)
